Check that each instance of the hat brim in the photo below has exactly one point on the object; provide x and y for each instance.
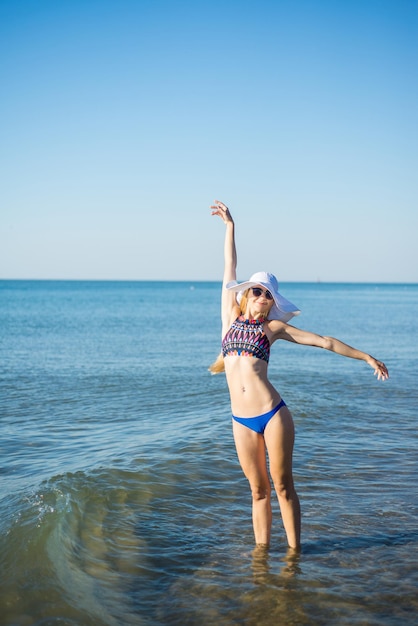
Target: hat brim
(282, 308)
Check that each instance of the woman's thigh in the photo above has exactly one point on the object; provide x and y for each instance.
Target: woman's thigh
(251, 452)
(279, 437)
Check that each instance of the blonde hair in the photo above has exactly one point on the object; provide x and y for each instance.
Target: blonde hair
(219, 365)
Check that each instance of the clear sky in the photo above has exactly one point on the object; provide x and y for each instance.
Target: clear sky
(122, 120)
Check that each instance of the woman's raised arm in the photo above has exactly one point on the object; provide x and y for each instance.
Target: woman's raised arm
(230, 259)
(230, 253)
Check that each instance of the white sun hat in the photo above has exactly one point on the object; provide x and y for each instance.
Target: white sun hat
(282, 309)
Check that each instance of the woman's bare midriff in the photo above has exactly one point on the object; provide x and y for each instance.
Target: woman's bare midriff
(251, 392)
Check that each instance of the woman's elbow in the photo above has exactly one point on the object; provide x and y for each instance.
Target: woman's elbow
(327, 343)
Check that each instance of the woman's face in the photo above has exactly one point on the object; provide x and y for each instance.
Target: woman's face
(260, 300)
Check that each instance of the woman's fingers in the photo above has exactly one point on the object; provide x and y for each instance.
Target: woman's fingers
(381, 371)
(219, 208)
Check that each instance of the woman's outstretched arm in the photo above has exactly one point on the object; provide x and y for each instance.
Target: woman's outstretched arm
(296, 335)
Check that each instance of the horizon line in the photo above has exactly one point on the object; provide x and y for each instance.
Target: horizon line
(202, 280)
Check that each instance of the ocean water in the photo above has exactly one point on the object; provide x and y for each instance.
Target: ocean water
(122, 501)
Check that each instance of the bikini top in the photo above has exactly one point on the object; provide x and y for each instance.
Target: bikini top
(246, 338)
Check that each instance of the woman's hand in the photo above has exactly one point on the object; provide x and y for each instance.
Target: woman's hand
(380, 369)
(220, 209)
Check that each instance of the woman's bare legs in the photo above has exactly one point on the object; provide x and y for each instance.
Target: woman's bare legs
(251, 452)
(279, 437)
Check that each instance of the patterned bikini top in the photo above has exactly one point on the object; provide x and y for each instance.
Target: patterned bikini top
(246, 338)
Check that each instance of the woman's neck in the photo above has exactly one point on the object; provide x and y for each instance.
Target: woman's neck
(250, 315)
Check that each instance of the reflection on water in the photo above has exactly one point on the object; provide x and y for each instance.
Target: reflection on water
(261, 566)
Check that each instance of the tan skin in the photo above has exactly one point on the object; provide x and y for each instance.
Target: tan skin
(252, 394)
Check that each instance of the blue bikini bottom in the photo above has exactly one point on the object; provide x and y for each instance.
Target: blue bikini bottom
(259, 423)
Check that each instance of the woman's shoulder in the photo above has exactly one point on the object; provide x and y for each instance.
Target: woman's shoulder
(273, 328)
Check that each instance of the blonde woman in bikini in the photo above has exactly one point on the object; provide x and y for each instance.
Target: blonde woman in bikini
(254, 316)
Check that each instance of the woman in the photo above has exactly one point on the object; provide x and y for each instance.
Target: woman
(254, 316)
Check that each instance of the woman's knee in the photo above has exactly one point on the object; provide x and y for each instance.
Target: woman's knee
(284, 487)
(260, 491)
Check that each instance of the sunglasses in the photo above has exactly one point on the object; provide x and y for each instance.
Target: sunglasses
(257, 292)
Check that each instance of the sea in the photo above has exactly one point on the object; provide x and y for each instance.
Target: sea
(121, 498)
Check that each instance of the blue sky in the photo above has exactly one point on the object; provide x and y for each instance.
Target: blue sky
(121, 121)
